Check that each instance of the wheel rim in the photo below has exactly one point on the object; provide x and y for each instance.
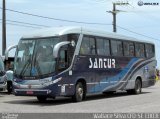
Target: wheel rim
(80, 92)
(138, 87)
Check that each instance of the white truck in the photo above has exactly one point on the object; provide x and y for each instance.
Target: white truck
(5, 78)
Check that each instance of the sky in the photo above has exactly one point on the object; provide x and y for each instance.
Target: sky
(140, 19)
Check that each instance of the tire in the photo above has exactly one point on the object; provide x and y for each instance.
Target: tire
(53, 98)
(80, 93)
(137, 89)
(9, 87)
(41, 98)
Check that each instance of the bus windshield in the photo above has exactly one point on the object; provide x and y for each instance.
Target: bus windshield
(34, 57)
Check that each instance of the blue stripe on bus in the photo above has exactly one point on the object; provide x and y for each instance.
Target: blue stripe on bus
(98, 88)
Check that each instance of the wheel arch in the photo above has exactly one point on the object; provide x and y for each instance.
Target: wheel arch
(83, 81)
(76, 97)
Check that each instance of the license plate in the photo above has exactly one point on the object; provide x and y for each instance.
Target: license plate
(29, 92)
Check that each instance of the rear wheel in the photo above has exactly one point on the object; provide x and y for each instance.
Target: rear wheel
(137, 89)
(79, 92)
(41, 98)
(9, 87)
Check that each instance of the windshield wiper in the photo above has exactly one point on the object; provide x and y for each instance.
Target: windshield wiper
(36, 67)
(25, 66)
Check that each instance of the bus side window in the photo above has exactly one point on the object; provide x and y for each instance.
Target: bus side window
(103, 47)
(139, 48)
(142, 50)
(88, 46)
(92, 46)
(116, 48)
(128, 48)
(149, 49)
(85, 46)
(131, 49)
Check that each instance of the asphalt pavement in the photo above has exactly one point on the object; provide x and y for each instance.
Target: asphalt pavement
(148, 101)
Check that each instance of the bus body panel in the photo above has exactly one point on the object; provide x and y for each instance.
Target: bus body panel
(146, 73)
(97, 80)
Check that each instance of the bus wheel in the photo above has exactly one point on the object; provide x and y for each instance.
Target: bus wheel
(9, 87)
(41, 98)
(137, 89)
(79, 92)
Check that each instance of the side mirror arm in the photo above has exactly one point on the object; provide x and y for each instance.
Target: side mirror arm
(58, 46)
(8, 49)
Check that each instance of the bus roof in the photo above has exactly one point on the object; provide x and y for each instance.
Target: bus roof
(58, 31)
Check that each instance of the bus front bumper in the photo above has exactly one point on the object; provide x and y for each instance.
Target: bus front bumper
(32, 92)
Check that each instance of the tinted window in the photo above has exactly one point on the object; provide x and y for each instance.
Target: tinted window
(73, 38)
(116, 48)
(103, 47)
(128, 49)
(139, 48)
(62, 59)
(88, 46)
(149, 50)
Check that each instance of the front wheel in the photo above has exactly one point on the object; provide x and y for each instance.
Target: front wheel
(79, 92)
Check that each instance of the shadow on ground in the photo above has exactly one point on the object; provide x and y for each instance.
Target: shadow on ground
(2, 94)
(67, 100)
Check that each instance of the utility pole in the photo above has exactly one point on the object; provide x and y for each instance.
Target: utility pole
(3, 27)
(114, 13)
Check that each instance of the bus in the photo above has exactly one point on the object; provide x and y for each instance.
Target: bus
(77, 61)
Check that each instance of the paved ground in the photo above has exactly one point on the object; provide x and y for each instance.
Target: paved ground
(148, 101)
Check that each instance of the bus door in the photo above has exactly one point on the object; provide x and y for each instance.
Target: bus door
(63, 59)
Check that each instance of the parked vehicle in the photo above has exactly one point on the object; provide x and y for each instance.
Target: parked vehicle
(5, 78)
(3, 81)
